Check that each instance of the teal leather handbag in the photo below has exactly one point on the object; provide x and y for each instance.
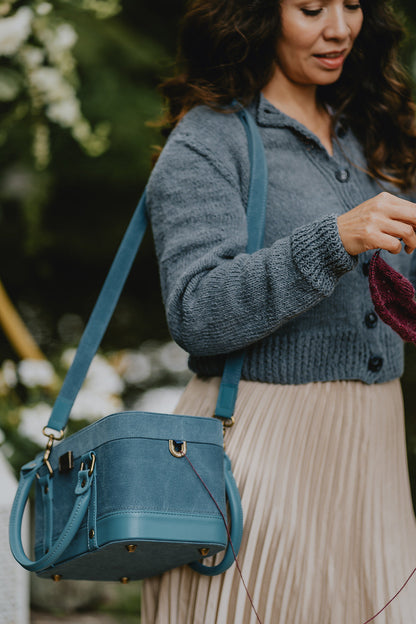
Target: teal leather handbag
(136, 493)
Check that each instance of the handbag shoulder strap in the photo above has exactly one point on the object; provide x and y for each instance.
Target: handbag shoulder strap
(256, 217)
(120, 268)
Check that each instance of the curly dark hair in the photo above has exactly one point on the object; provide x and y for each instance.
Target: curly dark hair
(227, 51)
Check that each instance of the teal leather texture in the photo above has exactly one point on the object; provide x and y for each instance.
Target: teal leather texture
(130, 507)
(126, 501)
(80, 500)
(236, 531)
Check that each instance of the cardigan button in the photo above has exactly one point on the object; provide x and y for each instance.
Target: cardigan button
(341, 131)
(342, 175)
(375, 363)
(371, 320)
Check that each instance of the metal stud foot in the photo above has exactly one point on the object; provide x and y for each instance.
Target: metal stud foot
(204, 551)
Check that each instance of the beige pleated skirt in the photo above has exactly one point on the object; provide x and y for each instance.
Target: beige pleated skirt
(329, 528)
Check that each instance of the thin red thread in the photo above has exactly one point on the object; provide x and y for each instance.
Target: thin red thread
(239, 569)
(390, 601)
(228, 534)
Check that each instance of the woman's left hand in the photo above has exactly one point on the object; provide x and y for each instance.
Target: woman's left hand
(380, 222)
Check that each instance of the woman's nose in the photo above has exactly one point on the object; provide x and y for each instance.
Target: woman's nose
(337, 25)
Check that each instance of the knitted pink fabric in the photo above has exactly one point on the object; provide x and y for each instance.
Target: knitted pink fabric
(393, 297)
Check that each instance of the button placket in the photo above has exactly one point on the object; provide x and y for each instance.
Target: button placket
(375, 363)
(341, 131)
(342, 175)
(371, 320)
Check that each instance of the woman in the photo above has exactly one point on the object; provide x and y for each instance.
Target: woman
(318, 447)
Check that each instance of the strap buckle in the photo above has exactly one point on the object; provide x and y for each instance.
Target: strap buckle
(47, 454)
(47, 432)
(51, 437)
(226, 421)
(92, 466)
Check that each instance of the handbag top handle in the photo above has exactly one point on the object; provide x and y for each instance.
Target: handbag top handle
(116, 278)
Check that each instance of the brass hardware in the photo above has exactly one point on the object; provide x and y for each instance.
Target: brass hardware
(131, 548)
(66, 462)
(56, 577)
(91, 470)
(204, 551)
(84, 483)
(46, 489)
(49, 467)
(91, 533)
(124, 580)
(50, 435)
(47, 453)
(173, 448)
(226, 422)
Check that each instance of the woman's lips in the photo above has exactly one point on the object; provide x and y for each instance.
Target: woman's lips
(331, 60)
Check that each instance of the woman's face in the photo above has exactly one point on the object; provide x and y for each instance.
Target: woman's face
(316, 38)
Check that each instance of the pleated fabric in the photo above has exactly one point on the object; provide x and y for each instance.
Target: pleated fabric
(329, 527)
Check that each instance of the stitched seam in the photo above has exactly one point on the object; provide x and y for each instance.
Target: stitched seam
(63, 535)
(157, 513)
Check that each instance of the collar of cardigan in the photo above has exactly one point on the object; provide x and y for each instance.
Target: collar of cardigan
(268, 116)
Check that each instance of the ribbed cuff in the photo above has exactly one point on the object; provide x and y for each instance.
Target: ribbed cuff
(319, 254)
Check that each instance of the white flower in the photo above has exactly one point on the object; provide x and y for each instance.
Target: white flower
(51, 84)
(8, 376)
(65, 112)
(44, 8)
(103, 378)
(63, 106)
(15, 30)
(36, 373)
(67, 357)
(92, 405)
(134, 367)
(97, 397)
(32, 421)
(32, 56)
(159, 400)
(64, 38)
(8, 373)
(173, 358)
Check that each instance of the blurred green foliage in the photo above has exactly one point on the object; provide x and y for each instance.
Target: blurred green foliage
(60, 227)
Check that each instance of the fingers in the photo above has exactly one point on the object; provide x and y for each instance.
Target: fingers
(394, 207)
(400, 222)
(389, 243)
(402, 232)
(382, 221)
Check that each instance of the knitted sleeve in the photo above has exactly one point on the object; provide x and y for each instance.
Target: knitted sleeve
(217, 297)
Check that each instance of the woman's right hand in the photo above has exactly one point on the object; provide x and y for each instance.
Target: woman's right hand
(380, 222)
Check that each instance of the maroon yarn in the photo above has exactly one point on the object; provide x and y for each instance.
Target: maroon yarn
(393, 298)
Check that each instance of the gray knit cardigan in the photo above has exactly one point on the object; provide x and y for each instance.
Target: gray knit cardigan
(300, 306)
